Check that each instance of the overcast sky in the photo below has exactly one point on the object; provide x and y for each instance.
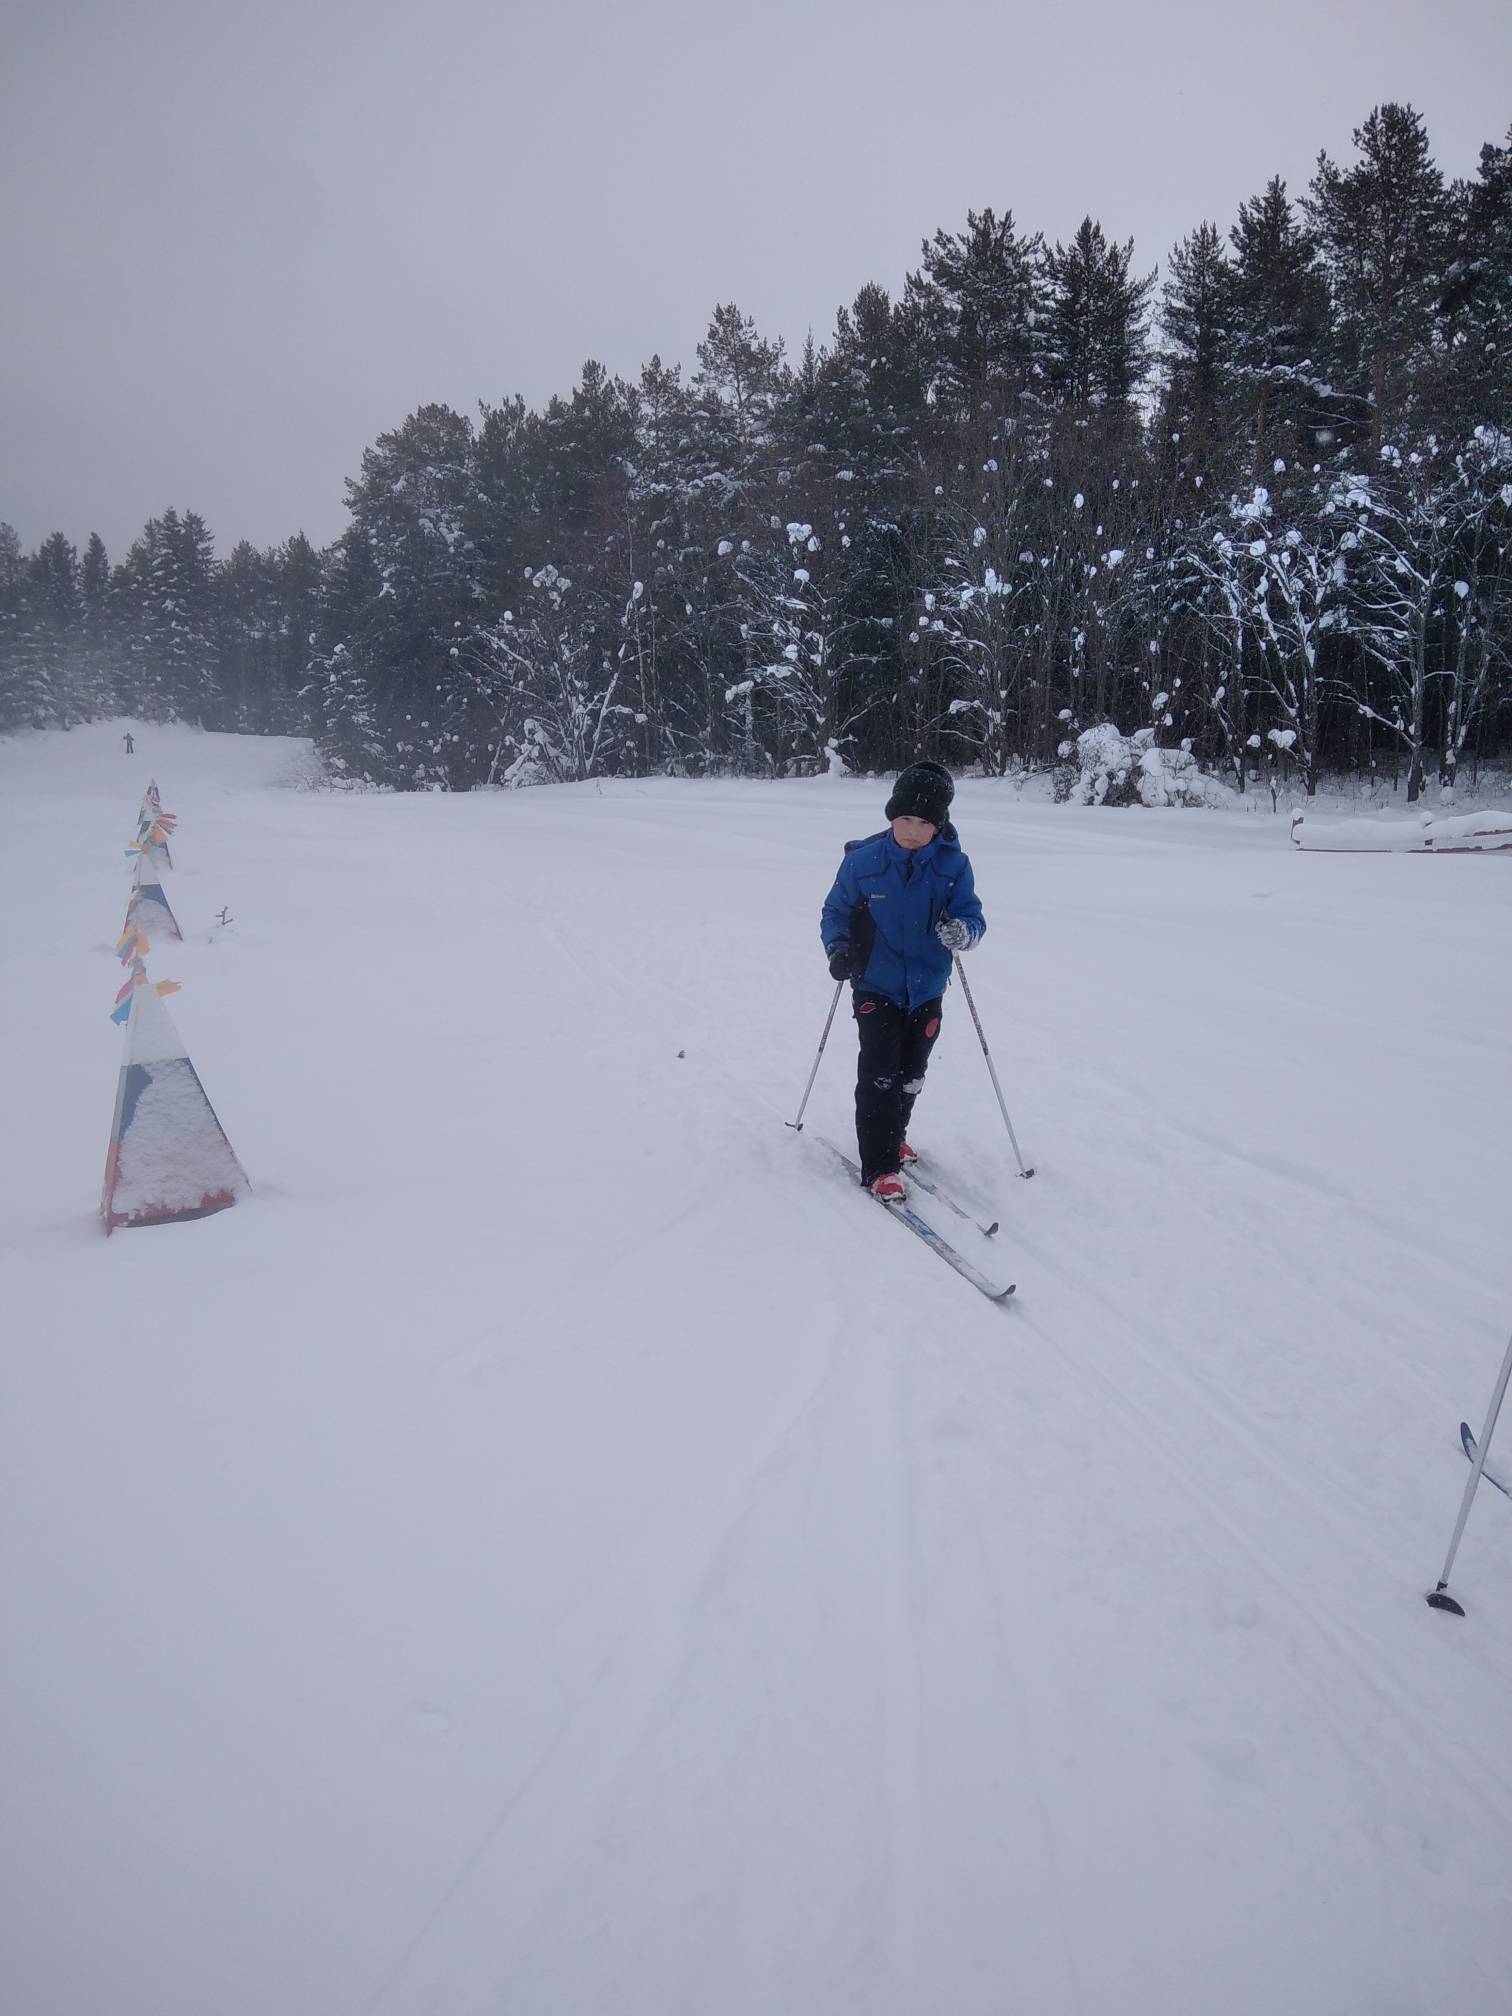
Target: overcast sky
(239, 242)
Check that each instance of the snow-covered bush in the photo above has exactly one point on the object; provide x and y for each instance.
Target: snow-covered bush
(1108, 768)
(1101, 769)
(1172, 777)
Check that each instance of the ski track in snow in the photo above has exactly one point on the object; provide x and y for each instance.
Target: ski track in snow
(558, 1548)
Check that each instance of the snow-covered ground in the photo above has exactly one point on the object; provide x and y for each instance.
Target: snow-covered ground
(557, 1549)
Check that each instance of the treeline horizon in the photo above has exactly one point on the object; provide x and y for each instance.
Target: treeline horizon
(1263, 511)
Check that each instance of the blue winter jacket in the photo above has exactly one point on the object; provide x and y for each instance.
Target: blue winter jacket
(887, 900)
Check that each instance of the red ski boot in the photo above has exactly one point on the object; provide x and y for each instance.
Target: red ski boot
(888, 1189)
(906, 1155)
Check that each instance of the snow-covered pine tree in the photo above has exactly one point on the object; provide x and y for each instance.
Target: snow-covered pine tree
(980, 619)
(354, 749)
(738, 498)
(26, 698)
(296, 615)
(1198, 320)
(1477, 608)
(1281, 333)
(1475, 308)
(1170, 603)
(174, 593)
(870, 418)
(337, 690)
(244, 640)
(553, 681)
(99, 644)
(975, 302)
(54, 629)
(1096, 338)
(1212, 582)
(1294, 602)
(1385, 228)
(664, 567)
(410, 506)
(584, 446)
(741, 381)
(502, 514)
(657, 575)
(793, 704)
(596, 531)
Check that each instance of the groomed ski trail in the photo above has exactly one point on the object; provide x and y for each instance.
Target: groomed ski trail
(564, 1553)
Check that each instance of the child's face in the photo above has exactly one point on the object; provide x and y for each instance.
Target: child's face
(911, 833)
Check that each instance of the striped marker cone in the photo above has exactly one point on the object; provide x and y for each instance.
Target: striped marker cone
(151, 843)
(169, 1157)
(149, 910)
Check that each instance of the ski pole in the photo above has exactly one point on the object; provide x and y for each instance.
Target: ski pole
(797, 1125)
(992, 1068)
(1437, 1599)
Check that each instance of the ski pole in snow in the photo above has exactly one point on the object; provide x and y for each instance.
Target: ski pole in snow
(797, 1125)
(992, 1068)
(1437, 1599)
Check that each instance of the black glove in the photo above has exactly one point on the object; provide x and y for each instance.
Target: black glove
(955, 935)
(841, 963)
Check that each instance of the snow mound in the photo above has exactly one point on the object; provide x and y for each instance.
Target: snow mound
(1464, 833)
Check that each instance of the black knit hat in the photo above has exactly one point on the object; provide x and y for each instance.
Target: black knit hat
(923, 791)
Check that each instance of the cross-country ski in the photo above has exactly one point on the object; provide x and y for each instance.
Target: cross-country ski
(919, 1176)
(911, 1213)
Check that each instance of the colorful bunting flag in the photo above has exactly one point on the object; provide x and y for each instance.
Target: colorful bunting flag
(153, 827)
(138, 978)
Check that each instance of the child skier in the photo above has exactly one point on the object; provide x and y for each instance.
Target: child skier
(902, 904)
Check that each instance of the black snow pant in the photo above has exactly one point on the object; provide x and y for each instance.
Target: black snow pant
(895, 1047)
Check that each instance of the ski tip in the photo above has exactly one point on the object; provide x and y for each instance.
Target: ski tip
(988, 1230)
(1010, 1290)
(1467, 1440)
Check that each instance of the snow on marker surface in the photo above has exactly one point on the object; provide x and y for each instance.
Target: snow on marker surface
(551, 1550)
(148, 909)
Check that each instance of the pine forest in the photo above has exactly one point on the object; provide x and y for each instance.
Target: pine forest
(1257, 506)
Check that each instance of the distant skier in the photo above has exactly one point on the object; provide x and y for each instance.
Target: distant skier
(902, 904)
(130, 745)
